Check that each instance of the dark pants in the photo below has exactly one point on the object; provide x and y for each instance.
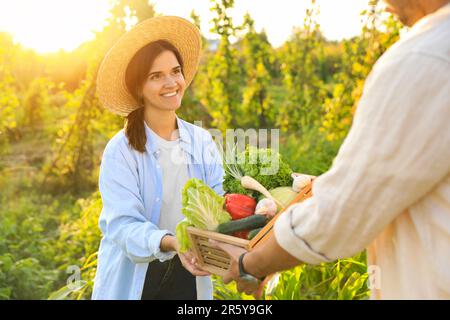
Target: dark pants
(169, 280)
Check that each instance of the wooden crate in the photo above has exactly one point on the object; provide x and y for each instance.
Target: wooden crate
(217, 261)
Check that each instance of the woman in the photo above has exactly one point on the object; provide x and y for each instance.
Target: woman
(145, 165)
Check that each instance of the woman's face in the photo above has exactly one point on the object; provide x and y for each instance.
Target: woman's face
(165, 85)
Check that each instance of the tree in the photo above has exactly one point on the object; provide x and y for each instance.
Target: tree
(301, 69)
(258, 106)
(220, 85)
(360, 54)
(9, 102)
(36, 98)
(192, 109)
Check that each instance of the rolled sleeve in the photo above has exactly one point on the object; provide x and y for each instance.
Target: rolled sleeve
(396, 152)
(293, 243)
(156, 237)
(123, 220)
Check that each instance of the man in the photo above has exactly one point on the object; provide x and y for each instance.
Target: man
(389, 187)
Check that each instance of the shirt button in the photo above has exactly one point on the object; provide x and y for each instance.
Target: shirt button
(157, 199)
(158, 166)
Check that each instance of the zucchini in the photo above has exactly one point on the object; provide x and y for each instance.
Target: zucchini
(253, 233)
(248, 223)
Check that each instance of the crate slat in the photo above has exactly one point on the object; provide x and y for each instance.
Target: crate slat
(219, 237)
(193, 238)
(204, 242)
(216, 257)
(217, 263)
(215, 270)
(219, 255)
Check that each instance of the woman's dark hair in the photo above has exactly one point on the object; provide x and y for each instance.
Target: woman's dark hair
(135, 77)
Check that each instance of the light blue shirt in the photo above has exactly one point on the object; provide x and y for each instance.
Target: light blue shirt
(130, 184)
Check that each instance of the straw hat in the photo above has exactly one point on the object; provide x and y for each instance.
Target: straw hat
(182, 34)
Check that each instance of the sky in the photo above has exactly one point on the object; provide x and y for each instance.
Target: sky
(50, 25)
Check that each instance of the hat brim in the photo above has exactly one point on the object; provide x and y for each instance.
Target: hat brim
(182, 34)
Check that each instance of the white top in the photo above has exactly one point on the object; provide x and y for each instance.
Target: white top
(173, 163)
(172, 160)
(388, 189)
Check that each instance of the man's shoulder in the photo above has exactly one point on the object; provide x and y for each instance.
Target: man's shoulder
(432, 42)
(417, 51)
(436, 42)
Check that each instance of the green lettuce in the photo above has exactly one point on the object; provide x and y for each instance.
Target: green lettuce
(182, 236)
(203, 209)
(264, 165)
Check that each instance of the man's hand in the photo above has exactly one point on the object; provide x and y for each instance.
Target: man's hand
(264, 260)
(233, 272)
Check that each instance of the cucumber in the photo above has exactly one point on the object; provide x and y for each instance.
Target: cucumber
(248, 223)
(253, 233)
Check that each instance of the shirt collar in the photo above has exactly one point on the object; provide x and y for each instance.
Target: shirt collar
(185, 138)
(431, 20)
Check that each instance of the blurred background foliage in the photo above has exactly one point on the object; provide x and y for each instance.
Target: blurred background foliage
(53, 132)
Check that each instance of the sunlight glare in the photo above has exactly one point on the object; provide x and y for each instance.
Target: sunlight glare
(50, 25)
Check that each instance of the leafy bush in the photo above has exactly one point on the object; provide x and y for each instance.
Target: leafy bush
(28, 231)
(344, 279)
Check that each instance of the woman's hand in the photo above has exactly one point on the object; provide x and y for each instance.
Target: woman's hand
(189, 262)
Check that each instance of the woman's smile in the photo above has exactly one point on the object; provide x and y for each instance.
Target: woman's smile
(170, 94)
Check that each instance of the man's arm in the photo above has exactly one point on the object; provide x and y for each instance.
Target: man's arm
(268, 258)
(264, 260)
